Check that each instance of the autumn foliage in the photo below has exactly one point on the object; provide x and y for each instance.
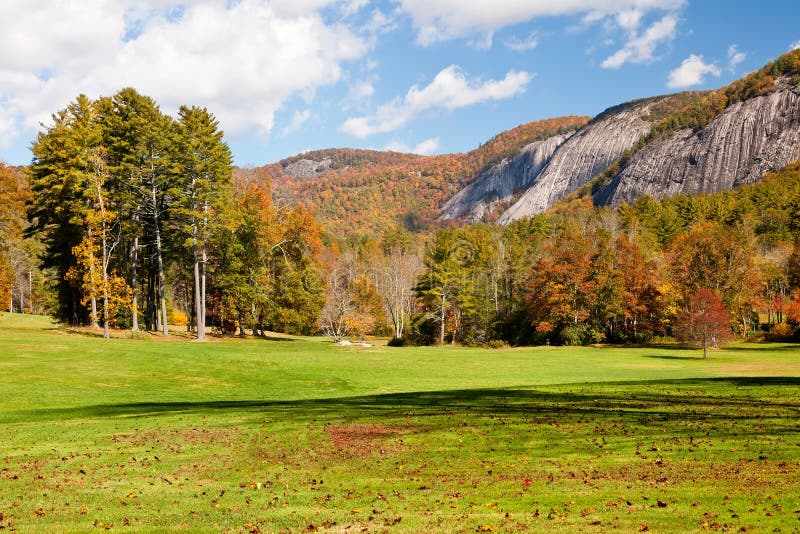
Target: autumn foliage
(704, 321)
(365, 192)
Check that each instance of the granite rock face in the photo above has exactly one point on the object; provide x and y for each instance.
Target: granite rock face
(500, 182)
(584, 155)
(307, 168)
(738, 147)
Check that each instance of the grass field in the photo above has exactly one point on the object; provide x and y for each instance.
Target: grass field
(301, 435)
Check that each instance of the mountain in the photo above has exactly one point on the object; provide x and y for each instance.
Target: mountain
(689, 142)
(363, 192)
(587, 153)
(739, 146)
(498, 184)
(692, 142)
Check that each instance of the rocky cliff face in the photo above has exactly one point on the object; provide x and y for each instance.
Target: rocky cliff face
(500, 182)
(307, 168)
(739, 146)
(584, 155)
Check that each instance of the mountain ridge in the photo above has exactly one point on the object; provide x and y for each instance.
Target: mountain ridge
(629, 149)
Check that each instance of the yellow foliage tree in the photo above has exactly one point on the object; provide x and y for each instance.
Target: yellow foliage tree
(88, 275)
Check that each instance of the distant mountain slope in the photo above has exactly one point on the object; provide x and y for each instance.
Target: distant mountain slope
(740, 132)
(355, 192)
(498, 184)
(584, 155)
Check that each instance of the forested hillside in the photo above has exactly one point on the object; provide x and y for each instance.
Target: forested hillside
(363, 192)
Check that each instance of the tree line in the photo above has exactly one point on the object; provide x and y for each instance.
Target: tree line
(581, 274)
(130, 218)
(142, 225)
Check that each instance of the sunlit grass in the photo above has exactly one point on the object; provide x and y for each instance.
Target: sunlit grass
(292, 435)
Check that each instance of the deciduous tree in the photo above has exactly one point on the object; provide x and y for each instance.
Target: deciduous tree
(704, 320)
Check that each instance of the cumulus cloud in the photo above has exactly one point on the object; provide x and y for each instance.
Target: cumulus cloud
(450, 89)
(424, 148)
(691, 72)
(640, 48)
(242, 60)
(441, 20)
(735, 57)
(795, 45)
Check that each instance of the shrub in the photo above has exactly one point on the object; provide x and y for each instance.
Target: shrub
(573, 334)
(397, 342)
(781, 332)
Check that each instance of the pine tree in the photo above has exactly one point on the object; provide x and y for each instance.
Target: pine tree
(202, 166)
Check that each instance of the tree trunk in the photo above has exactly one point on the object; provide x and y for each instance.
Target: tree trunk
(204, 259)
(705, 345)
(203, 287)
(104, 241)
(93, 289)
(201, 330)
(134, 283)
(161, 284)
(441, 328)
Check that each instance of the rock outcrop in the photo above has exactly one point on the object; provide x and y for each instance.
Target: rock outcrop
(739, 146)
(584, 155)
(307, 168)
(500, 182)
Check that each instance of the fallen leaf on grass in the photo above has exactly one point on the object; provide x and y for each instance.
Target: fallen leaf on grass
(484, 528)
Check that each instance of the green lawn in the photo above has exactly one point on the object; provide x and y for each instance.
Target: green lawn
(293, 435)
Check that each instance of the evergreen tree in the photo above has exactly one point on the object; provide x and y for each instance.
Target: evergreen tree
(202, 167)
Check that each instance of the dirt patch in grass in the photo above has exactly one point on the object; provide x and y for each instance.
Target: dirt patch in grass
(365, 440)
(186, 436)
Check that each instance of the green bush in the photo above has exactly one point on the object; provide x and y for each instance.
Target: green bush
(573, 334)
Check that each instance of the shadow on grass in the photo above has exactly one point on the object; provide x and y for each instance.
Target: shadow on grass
(703, 401)
(671, 357)
(767, 346)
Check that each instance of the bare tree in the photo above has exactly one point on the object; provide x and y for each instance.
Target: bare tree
(395, 275)
(339, 297)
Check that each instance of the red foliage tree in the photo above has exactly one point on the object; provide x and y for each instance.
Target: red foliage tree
(704, 320)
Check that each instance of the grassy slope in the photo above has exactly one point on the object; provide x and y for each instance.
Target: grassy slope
(244, 435)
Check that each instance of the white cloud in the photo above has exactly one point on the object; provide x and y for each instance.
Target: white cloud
(641, 48)
(735, 57)
(363, 89)
(450, 89)
(483, 42)
(424, 148)
(795, 45)
(629, 19)
(441, 20)
(522, 45)
(242, 59)
(379, 23)
(691, 72)
(298, 119)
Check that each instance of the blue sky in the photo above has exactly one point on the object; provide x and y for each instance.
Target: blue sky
(431, 76)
